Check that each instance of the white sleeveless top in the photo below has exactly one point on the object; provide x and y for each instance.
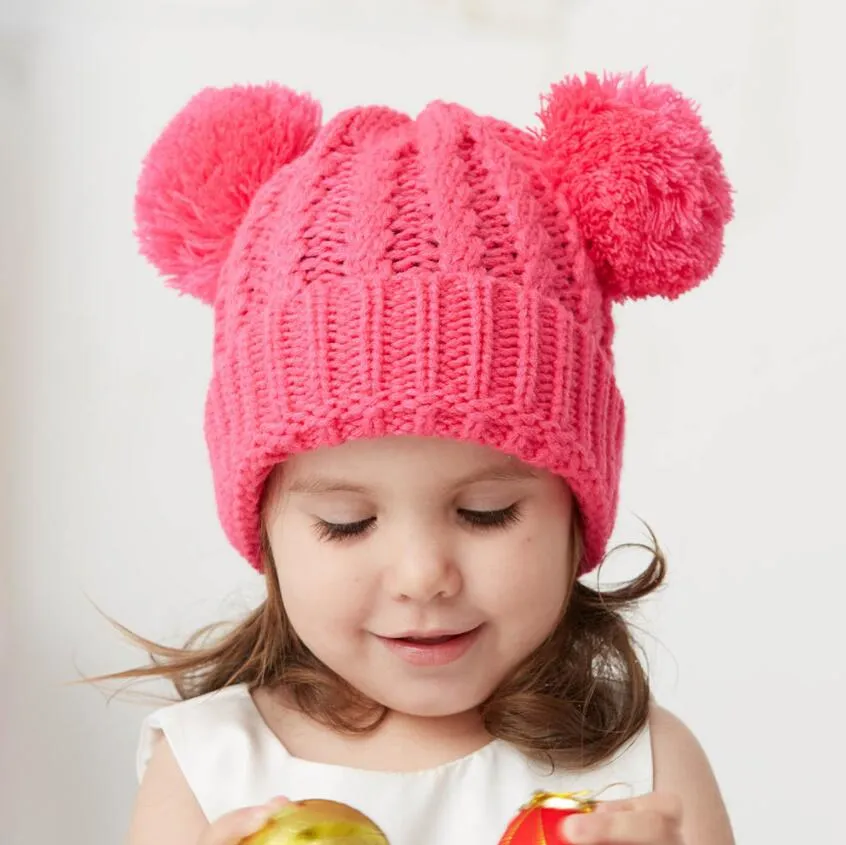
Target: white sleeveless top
(231, 758)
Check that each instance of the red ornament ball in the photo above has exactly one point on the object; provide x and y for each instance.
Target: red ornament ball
(539, 821)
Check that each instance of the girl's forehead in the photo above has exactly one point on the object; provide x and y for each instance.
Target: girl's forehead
(394, 456)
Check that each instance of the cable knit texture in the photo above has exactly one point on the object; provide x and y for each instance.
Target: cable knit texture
(447, 275)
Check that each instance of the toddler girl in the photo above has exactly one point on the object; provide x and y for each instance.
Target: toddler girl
(416, 436)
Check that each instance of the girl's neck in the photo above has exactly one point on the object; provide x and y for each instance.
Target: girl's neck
(400, 743)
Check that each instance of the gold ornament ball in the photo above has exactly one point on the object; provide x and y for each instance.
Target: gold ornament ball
(316, 820)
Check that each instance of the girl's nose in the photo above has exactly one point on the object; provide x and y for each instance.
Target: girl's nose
(422, 570)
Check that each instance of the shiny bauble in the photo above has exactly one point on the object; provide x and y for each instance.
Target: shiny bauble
(539, 821)
(318, 821)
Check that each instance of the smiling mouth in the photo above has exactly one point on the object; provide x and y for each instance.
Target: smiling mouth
(431, 639)
(437, 648)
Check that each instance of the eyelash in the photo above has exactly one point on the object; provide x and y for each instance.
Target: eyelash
(479, 520)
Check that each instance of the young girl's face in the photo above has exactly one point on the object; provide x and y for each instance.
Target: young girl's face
(420, 570)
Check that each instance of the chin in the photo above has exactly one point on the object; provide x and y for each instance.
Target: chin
(435, 704)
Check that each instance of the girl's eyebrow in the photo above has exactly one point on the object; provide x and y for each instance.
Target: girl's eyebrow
(317, 485)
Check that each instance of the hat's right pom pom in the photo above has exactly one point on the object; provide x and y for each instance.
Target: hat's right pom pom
(644, 179)
(201, 174)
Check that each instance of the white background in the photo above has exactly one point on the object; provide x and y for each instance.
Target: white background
(735, 393)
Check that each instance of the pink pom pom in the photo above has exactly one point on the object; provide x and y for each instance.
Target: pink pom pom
(202, 173)
(640, 172)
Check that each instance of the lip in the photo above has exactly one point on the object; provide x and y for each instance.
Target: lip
(431, 633)
(432, 654)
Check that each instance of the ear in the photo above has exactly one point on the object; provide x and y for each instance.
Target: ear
(639, 170)
(200, 176)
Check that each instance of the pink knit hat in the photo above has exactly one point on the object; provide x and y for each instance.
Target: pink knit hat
(447, 275)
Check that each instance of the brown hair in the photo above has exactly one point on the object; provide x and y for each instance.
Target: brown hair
(577, 699)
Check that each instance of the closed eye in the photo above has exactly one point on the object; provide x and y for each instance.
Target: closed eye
(343, 530)
(491, 519)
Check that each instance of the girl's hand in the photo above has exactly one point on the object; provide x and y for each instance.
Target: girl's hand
(653, 819)
(233, 827)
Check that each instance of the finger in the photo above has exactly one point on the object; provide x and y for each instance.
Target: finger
(233, 827)
(666, 803)
(626, 827)
(276, 804)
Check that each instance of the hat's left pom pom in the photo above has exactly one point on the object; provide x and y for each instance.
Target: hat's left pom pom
(201, 174)
(640, 173)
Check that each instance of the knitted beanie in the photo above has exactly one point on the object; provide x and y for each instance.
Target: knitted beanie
(448, 275)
